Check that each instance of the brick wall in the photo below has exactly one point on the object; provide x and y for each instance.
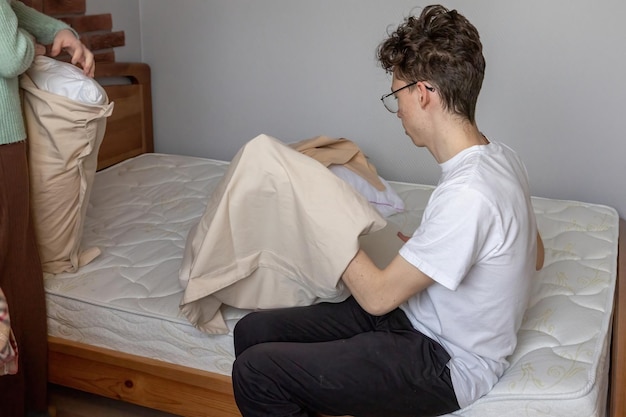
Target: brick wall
(95, 30)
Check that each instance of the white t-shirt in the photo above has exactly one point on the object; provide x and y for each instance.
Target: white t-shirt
(477, 240)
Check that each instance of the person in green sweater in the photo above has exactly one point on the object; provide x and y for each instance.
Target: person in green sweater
(23, 34)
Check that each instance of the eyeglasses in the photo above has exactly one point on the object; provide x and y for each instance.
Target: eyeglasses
(390, 101)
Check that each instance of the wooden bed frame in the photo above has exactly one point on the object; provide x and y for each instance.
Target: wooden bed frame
(186, 391)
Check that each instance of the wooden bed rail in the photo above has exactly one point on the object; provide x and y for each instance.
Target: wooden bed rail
(141, 381)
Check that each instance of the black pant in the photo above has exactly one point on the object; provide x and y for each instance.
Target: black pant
(337, 359)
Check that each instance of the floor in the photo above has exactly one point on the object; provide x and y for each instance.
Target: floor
(71, 403)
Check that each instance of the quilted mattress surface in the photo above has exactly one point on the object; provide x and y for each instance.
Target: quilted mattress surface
(127, 299)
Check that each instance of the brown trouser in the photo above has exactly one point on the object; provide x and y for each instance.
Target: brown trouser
(21, 279)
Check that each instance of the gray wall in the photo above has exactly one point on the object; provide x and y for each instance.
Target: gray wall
(227, 70)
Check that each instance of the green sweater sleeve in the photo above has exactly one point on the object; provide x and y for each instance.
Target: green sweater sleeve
(17, 48)
(41, 26)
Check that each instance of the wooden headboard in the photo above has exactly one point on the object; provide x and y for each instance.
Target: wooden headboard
(129, 128)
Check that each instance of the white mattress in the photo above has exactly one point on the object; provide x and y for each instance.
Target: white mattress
(127, 299)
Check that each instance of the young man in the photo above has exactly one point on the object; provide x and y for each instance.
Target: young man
(431, 332)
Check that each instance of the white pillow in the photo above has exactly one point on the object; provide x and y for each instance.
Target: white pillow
(387, 202)
(67, 80)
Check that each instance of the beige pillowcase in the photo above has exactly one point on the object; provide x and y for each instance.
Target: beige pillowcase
(278, 231)
(64, 137)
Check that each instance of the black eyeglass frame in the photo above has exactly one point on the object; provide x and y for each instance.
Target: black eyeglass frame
(394, 92)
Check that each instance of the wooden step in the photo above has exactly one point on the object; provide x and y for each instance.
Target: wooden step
(102, 40)
(64, 7)
(89, 23)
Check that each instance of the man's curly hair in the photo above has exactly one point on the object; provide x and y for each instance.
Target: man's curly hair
(442, 47)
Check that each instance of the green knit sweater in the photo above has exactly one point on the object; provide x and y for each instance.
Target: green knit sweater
(19, 24)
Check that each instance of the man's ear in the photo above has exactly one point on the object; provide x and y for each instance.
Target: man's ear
(424, 94)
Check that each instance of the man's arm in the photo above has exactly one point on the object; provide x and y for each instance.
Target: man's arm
(380, 291)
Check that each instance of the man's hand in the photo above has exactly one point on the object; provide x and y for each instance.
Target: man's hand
(403, 237)
(81, 55)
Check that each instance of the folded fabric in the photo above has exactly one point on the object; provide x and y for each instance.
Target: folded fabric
(340, 151)
(269, 236)
(8, 345)
(66, 80)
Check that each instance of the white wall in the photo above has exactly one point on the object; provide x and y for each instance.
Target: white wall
(227, 70)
